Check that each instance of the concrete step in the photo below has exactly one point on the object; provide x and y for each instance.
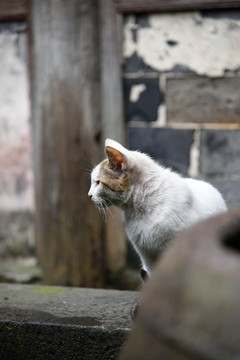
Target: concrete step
(42, 322)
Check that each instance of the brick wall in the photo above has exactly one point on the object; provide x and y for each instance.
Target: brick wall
(182, 93)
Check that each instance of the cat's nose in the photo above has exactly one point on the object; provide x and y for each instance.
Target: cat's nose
(90, 196)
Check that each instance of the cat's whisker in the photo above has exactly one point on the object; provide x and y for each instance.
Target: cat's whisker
(107, 202)
(86, 171)
(110, 212)
(93, 162)
(102, 209)
(106, 207)
(104, 214)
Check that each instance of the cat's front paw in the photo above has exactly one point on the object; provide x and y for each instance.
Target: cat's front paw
(134, 311)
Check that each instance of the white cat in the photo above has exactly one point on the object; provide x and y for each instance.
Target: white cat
(156, 202)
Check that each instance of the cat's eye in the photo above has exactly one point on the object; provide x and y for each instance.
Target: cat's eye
(97, 182)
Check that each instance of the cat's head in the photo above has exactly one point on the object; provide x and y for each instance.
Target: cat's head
(111, 179)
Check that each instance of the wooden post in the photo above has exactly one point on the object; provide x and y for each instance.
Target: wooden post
(66, 130)
(112, 118)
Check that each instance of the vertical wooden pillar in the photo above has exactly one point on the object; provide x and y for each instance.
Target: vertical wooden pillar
(111, 77)
(66, 128)
(112, 117)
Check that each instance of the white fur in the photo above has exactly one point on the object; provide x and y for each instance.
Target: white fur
(158, 204)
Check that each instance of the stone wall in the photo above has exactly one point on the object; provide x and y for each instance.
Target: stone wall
(182, 93)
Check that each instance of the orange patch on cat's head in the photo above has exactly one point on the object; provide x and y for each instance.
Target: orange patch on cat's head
(113, 179)
(114, 156)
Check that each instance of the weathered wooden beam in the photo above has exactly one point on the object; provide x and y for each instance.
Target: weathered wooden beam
(66, 128)
(143, 6)
(13, 10)
(111, 84)
(112, 117)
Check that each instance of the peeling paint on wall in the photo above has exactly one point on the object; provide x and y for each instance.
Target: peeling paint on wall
(16, 175)
(204, 44)
(136, 91)
(143, 97)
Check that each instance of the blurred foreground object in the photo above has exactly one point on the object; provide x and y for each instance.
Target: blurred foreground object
(190, 307)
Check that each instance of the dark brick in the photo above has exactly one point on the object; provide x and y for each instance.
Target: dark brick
(142, 20)
(221, 14)
(136, 64)
(169, 146)
(134, 35)
(146, 107)
(203, 100)
(220, 152)
(180, 69)
(230, 189)
(13, 26)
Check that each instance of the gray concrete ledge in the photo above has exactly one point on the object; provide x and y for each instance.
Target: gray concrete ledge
(41, 322)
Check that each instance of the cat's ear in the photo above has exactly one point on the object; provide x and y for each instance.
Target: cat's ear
(117, 154)
(115, 157)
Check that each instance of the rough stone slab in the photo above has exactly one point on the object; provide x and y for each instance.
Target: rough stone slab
(203, 100)
(170, 147)
(145, 106)
(23, 341)
(220, 152)
(40, 322)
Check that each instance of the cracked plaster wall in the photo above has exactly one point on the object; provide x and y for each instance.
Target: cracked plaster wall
(16, 175)
(16, 172)
(203, 44)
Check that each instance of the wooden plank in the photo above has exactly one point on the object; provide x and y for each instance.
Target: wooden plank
(13, 10)
(143, 6)
(110, 70)
(112, 118)
(66, 126)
